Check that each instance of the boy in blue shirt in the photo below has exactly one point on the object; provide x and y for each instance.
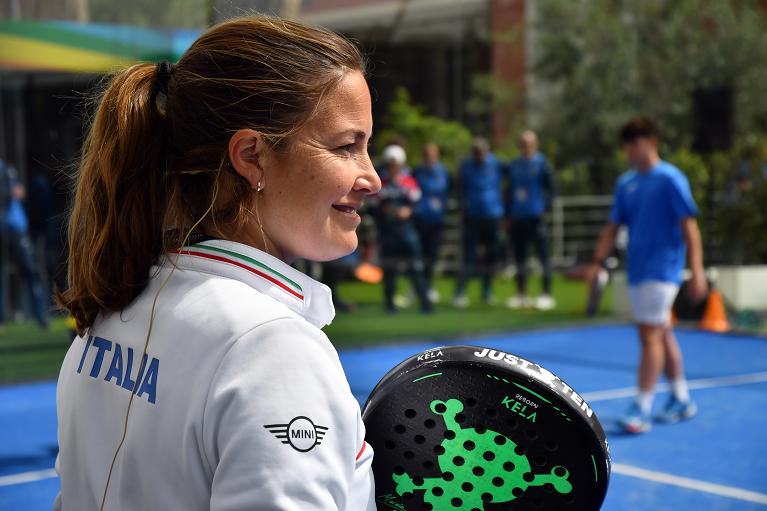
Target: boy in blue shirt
(429, 213)
(655, 202)
(530, 193)
(480, 181)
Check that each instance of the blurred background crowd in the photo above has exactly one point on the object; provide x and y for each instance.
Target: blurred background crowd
(496, 136)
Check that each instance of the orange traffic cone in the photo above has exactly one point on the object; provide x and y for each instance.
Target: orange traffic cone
(715, 316)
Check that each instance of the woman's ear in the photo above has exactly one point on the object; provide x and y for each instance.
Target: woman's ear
(246, 152)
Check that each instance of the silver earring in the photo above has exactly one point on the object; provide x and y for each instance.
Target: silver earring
(259, 187)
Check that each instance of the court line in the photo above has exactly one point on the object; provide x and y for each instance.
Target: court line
(690, 484)
(701, 383)
(27, 477)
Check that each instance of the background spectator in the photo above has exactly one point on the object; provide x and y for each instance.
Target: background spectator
(433, 180)
(480, 195)
(530, 194)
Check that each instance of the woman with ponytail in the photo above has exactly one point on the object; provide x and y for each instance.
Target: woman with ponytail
(200, 378)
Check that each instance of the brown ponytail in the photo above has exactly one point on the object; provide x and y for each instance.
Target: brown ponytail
(154, 162)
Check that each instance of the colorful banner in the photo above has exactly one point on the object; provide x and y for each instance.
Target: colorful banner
(86, 47)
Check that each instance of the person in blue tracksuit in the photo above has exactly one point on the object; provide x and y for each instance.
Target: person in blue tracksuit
(531, 190)
(14, 233)
(429, 213)
(480, 181)
(393, 208)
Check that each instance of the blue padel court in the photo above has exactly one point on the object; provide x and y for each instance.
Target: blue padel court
(718, 461)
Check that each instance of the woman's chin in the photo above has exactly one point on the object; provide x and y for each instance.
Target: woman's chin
(334, 249)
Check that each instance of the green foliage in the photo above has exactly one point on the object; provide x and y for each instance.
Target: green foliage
(604, 61)
(410, 122)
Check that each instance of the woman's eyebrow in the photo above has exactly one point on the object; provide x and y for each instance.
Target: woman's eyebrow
(358, 135)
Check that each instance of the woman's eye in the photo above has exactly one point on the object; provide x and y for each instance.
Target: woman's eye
(347, 148)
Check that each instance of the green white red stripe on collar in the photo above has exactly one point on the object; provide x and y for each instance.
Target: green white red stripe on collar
(251, 264)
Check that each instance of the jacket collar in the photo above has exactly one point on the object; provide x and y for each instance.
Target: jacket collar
(300, 293)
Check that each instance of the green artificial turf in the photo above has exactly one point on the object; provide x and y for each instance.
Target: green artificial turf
(28, 352)
(370, 324)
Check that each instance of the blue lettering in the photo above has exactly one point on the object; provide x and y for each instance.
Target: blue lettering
(116, 367)
(149, 385)
(102, 345)
(85, 352)
(127, 382)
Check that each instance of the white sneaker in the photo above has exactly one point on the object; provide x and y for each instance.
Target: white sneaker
(402, 301)
(545, 303)
(460, 301)
(434, 296)
(517, 302)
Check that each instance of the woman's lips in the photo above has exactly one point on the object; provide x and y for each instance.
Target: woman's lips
(346, 209)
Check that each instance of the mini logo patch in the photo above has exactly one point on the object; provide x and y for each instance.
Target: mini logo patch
(300, 433)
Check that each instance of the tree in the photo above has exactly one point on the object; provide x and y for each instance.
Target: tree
(606, 60)
(410, 122)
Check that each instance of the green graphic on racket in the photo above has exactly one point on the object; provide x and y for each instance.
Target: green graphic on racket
(479, 429)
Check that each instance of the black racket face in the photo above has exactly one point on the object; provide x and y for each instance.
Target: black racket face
(479, 429)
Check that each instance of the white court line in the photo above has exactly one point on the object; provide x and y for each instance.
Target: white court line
(691, 484)
(27, 477)
(702, 383)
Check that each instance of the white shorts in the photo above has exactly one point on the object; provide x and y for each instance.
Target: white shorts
(652, 301)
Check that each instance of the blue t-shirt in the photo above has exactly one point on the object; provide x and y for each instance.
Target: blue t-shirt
(482, 187)
(433, 182)
(652, 205)
(531, 187)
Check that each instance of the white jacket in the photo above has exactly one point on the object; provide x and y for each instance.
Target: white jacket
(243, 404)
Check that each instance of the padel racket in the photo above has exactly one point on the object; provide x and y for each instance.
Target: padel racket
(469, 428)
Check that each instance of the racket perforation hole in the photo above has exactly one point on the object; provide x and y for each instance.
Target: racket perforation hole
(429, 423)
(440, 408)
(488, 455)
(480, 429)
(478, 471)
(437, 490)
(469, 445)
(531, 434)
(471, 401)
(467, 487)
(399, 470)
(419, 439)
(529, 477)
(460, 418)
(517, 492)
(448, 476)
(491, 412)
(399, 428)
(410, 413)
(449, 434)
(389, 444)
(551, 446)
(487, 497)
(458, 461)
(548, 488)
(499, 439)
(519, 450)
(540, 460)
(508, 466)
(438, 449)
(409, 455)
(498, 481)
(428, 464)
(456, 502)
